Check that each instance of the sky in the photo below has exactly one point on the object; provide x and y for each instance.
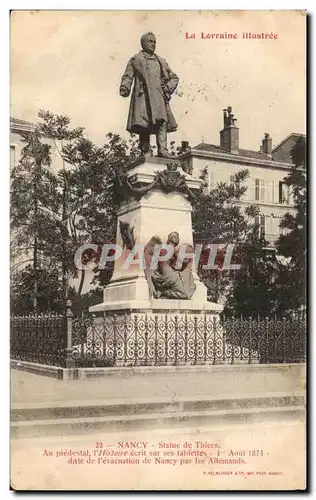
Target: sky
(71, 62)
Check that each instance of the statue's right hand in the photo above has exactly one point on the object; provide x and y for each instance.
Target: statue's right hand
(124, 92)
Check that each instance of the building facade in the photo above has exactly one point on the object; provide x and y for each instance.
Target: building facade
(18, 127)
(267, 168)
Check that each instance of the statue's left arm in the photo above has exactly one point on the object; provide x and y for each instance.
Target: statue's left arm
(173, 79)
(127, 79)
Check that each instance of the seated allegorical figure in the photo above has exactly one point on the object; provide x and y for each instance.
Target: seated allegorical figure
(168, 282)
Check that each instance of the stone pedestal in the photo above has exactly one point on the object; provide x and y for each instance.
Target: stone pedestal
(156, 213)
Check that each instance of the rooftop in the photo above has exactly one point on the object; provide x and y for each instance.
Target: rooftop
(203, 146)
(279, 156)
(281, 153)
(21, 125)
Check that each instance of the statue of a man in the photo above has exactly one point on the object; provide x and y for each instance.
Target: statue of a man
(154, 83)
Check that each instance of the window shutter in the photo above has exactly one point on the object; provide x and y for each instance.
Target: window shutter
(211, 180)
(257, 223)
(275, 190)
(262, 190)
(12, 156)
(275, 227)
(291, 199)
(257, 189)
(262, 226)
(284, 192)
(266, 191)
(268, 224)
(280, 192)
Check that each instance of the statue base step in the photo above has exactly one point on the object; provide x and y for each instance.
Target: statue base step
(158, 305)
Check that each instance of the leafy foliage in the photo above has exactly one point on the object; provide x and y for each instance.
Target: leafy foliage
(49, 294)
(254, 290)
(217, 218)
(57, 208)
(272, 281)
(291, 280)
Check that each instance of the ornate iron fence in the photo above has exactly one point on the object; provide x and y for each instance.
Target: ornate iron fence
(144, 339)
(170, 339)
(40, 339)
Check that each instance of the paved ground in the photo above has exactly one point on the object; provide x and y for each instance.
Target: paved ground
(31, 388)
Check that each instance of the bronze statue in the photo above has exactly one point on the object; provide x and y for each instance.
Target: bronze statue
(154, 83)
(168, 282)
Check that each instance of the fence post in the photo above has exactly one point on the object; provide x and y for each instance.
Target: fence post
(69, 315)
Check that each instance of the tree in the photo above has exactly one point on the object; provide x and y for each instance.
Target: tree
(56, 128)
(49, 292)
(53, 212)
(272, 281)
(93, 184)
(32, 186)
(218, 218)
(254, 290)
(291, 280)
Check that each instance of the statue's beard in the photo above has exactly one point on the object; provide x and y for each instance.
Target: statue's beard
(149, 51)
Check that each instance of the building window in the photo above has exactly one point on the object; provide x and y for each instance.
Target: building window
(260, 221)
(262, 226)
(262, 190)
(232, 182)
(284, 197)
(257, 189)
(12, 156)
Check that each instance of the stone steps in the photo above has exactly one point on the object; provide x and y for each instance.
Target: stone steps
(35, 420)
(38, 411)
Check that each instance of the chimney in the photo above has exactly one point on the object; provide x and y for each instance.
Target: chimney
(229, 136)
(184, 146)
(266, 147)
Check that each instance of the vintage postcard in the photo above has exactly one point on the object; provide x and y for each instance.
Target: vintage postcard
(158, 250)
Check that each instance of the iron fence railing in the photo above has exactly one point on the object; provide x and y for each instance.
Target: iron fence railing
(144, 339)
(39, 338)
(173, 339)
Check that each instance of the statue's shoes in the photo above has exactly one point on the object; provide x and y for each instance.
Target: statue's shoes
(166, 155)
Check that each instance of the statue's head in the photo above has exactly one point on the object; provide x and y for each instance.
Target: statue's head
(173, 239)
(148, 42)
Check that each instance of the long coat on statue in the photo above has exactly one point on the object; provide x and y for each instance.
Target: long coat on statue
(148, 104)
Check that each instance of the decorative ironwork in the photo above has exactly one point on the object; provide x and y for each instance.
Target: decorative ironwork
(156, 339)
(170, 339)
(39, 339)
